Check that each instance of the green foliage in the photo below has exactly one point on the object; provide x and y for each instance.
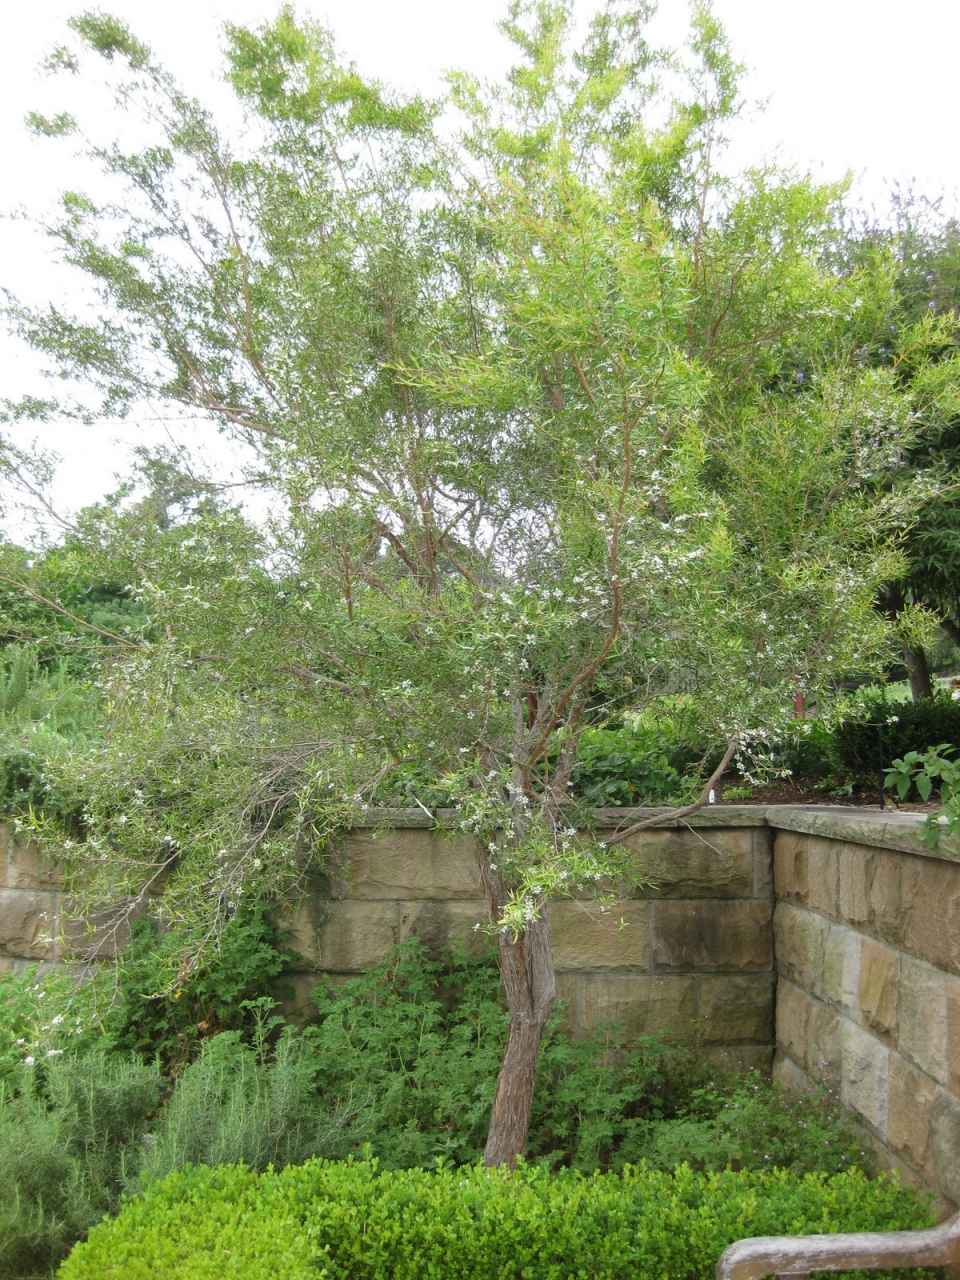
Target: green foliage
(618, 767)
(875, 730)
(235, 1103)
(49, 1015)
(69, 1146)
(167, 1006)
(354, 1220)
(937, 768)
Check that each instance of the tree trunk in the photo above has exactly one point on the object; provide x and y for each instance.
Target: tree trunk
(918, 671)
(529, 983)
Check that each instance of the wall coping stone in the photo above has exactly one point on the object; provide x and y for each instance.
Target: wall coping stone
(881, 828)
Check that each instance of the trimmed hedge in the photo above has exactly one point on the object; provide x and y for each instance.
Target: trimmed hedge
(351, 1220)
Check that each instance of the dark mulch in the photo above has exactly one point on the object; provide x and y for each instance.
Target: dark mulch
(809, 791)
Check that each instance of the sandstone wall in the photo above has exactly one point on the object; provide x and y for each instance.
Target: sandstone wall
(868, 1001)
(30, 901)
(692, 956)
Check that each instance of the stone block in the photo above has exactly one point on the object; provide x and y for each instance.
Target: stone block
(824, 1045)
(10, 964)
(872, 892)
(736, 1008)
(638, 1004)
(300, 924)
(865, 1078)
(923, 1017)
(789, 1074)
(841, 969)
(27, 868)
(911, 1094)
(801, 939)
(439, 924)
(694, 864)
(823, 876)
(26, 923)
(357, 934)
(878, 989)
(583, 940)
(953, 1035)
(794, 1007)
(412, 864)
(790, 875)
(929, 908)
(945, 1144)
(763, 863)
(102, 935)
(733, 937)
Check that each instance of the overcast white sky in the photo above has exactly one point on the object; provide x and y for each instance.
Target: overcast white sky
(862, 85)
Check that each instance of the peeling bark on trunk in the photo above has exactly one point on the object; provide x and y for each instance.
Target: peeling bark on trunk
(530, 986)
(918, 671)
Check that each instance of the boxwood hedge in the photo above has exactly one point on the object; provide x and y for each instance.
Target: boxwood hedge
(350, 1219)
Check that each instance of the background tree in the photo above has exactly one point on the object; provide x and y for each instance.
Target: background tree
(922, 244)
(532, 397)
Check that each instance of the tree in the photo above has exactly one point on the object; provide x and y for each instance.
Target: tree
(554, 408)
(923, 245)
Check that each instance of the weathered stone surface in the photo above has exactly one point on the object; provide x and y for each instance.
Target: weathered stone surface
(945, 1144)
(694, 864)
(824, 1045)
(923, 1017)
(712, 936)
(801, 939)
(763, 864)
(638, 1004)
(438, 924)
(841, 969)
(10, 964)
(929, 909)
(790, 876)
(100, 936)
(910, 1096)
(356, 935)
(864, 1085)
(412, 864)
(879, 830)
(953, 1035)
(789, 1073)
(28, 868)
(878, 989)
(823, 876)
(293, 996)
(584, 940)
(300, 926)
(737, 1008)
(26, 923)
(792, 1020)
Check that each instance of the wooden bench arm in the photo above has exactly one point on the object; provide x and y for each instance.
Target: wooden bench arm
(868, 1250)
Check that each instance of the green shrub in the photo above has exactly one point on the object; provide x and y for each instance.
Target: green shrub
(354, 1220)
(69, 1146)
(876, 730)
(156, 1015)
(233, 1105)
(625, 767)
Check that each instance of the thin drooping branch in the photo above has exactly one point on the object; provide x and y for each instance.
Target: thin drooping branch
(673, 815)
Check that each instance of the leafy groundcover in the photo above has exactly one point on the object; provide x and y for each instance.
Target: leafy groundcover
(352, 1219)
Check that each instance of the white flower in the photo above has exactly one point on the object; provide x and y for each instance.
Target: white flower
(29, 1060)
(57, 1020)
(54, 1053)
